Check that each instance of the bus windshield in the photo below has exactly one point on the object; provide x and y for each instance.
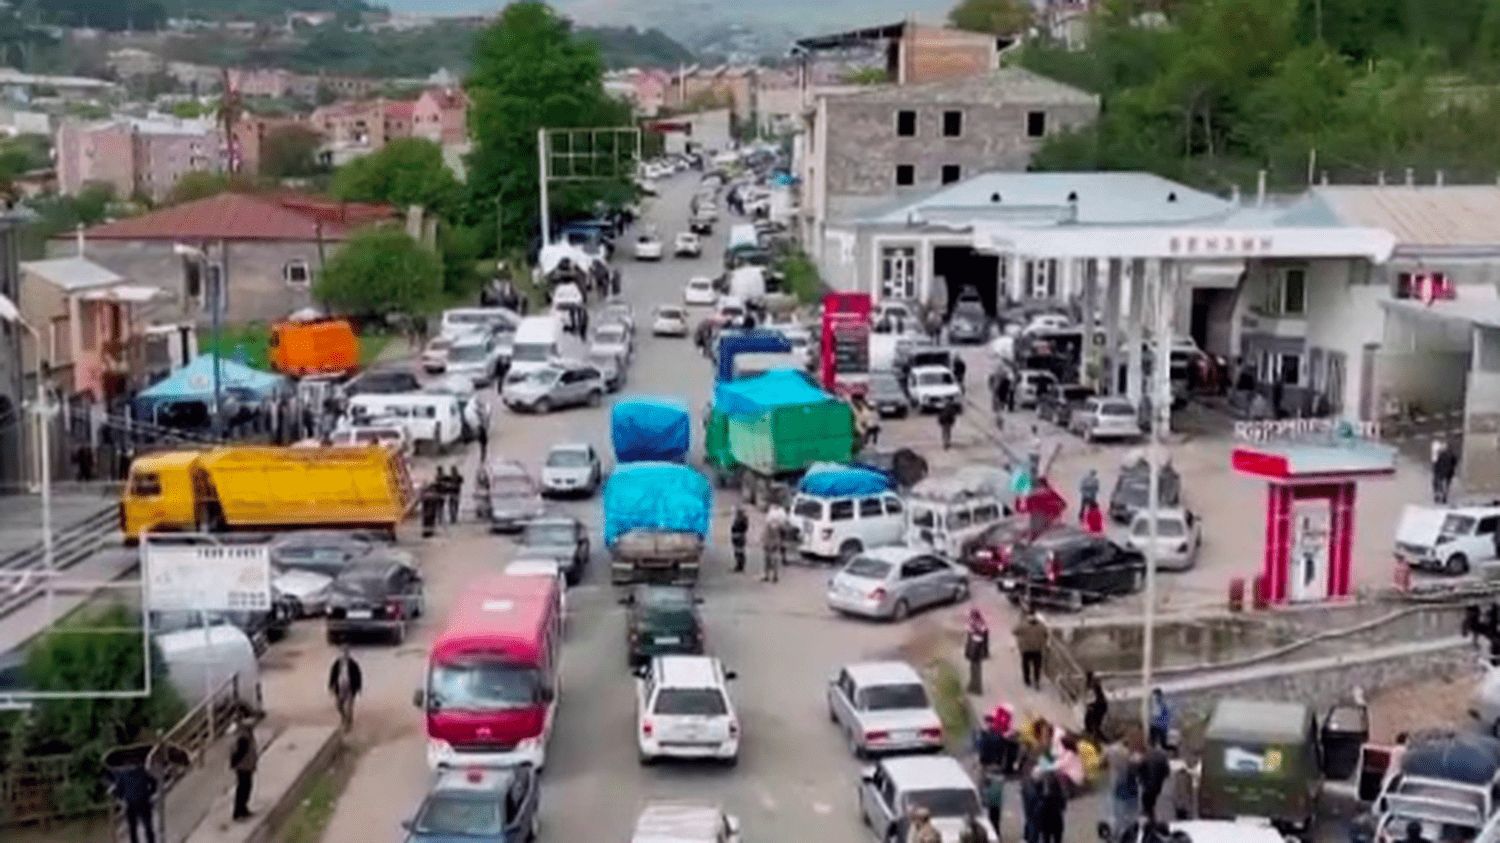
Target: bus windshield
(481, 684)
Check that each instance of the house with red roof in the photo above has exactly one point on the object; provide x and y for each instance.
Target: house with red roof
(267, 249)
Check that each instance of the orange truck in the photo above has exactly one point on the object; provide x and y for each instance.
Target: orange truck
(265, 488)
(318, 347)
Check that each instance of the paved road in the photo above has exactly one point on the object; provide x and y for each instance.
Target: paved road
(795, 780)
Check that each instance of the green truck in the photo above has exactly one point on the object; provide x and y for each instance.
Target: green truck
(768, 429)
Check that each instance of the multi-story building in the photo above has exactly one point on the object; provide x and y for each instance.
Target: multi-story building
(145, 156)
(709, 87)
(441, 115)
(261, 82)
(250, 135)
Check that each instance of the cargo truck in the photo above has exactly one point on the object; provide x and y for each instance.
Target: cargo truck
(735, 343)
(765, 431)
(265, 488)
(656, 521)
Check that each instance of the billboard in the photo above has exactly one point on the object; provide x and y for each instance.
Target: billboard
(207, 578)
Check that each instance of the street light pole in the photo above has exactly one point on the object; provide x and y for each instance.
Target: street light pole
(541, 181)
(43, 409)
(1161, 410)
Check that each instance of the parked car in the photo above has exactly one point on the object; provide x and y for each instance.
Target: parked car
(1452, 540)
(1179, 535)
(509, 497)
(478, 804)
(570, 469)
(611, 338)
(886, 394)
(889, 791)
(669, 321)
(373, 595)
(304, 593)
(687, 245)
(661, 620)
(327, 552)
(388, 432)
(1105, 418)
(611, 370)
(701, 224)
(1069, 568)
(968, 323)
(843, 527)
(1029, 384)
(1057, 403)
(554, 386)
(478, 357)
(383, 382)
(893, 582)
(683, 710)
(986, 553)
(435, 354)
(1044, 323)
(700, 291)
(1132, 490)
(933, 387)
(619, 310)
(560, 537)
(648, 247)
(663, 821)
(883, 707)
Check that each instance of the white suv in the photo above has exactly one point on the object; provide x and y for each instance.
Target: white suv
(683, 710)
(1453, 540)
(932, 387)
(842, 528)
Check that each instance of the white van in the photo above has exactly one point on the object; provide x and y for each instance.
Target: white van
(944, 514)
(748, 283)
(434, 422)
(540, 340)
(843, 527)
(1453, 540)
(742, 235)
(199, 661)
(462, 320)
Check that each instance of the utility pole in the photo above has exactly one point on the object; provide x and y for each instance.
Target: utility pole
(542, 176)
(1161, 413)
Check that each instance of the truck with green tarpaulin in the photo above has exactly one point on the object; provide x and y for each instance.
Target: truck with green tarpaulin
(766, 430)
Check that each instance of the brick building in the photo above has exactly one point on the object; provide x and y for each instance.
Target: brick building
(135, 156)
(441, 115)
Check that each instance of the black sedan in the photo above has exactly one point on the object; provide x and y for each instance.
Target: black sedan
(562, 538)
(887, 396)
(1069, 568)
(478, 804)
(373, 595)
(663, 620)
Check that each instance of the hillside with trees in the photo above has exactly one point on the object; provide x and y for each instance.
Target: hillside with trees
(1210, 91)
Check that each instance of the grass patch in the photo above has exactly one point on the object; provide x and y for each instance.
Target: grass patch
(371, 344)
(801, 275)
(945, 683)
(310, 818)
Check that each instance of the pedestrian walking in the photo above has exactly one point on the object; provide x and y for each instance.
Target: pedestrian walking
(1088, 489)
(243, 759)
(992, 793)
(1492, 617)
(1494, 636)
(432, 505)
(869, 422)
(773, 538)
(1161, 719)
(1155, 769)
(345, 681)
(1030, 805)
(135, 787)
(1444, 467)
(739, 527)
(921, 829)
(456, 492)
(947, 415)
(1472, 626)
(1092, 518)
(1096, 709)
(1031, 640)
(960, 368)
(483, 433)
(1123, 760)
(977, 650)
(1052, 808)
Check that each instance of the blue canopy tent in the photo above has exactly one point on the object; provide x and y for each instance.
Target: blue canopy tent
(195, 382)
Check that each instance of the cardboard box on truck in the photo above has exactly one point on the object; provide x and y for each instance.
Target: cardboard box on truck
(265, 488)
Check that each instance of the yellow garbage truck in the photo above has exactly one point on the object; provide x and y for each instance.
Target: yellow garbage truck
(265, 488)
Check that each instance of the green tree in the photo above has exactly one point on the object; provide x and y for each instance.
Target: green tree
(461, 247)
(531, 71)
(1000, 17)
(290, 152)
(381, 271)
(405, 172)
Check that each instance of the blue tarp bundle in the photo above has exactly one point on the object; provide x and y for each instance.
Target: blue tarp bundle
(760, 339)
(831, 480)
(647, 429)
(195, 382)
(776, 388)
(656, 496)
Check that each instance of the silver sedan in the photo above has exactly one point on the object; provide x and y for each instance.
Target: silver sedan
(892, 582)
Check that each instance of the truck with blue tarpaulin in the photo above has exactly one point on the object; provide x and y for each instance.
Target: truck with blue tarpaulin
(650, 430)
(768, 429)
(656, 522)
(734, 342)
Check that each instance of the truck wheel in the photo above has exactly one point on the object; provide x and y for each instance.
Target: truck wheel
(1458, 565)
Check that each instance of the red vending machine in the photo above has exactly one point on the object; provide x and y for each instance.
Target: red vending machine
(845, 351)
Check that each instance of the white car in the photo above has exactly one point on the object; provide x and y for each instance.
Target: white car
(435, 354)
(685, 822)
(1452, 540)
(307, 590)
(700, 291)
(618, 310)
(1029, 384)
(611, 339)
(1179, 534)
(842, 527)
(932, 387)
(890, 789)
(647, 186)
(570, 469)
(670, 321)
(688, 245)
(730, 309)
(386, 431)
(1106, 418)
(477, 357)
(683, 710)
(883, 707)
(1047, 322)
(648, 248)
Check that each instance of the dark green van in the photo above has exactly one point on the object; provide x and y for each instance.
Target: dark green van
(1260, 759)
(663, 620)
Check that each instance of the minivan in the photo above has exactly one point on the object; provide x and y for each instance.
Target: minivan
(945, 514)
(842, 527)
(540, 340)
(434, 422)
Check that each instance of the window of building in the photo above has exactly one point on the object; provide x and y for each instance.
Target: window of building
(898, 272)
(906, 124)
(1286, 293)
(906, 175)
(953, 124)
(952, 173)
(1039, 278)
(1289, 369)
(297, 273)
(1036, 124)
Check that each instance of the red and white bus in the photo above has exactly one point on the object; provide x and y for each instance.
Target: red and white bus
(490, 696)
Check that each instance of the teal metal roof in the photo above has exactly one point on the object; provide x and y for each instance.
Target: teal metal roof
(1101, 199)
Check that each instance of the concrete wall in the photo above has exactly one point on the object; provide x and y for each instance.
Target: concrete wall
(863, 150)
(932, 54)
(256, 289)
